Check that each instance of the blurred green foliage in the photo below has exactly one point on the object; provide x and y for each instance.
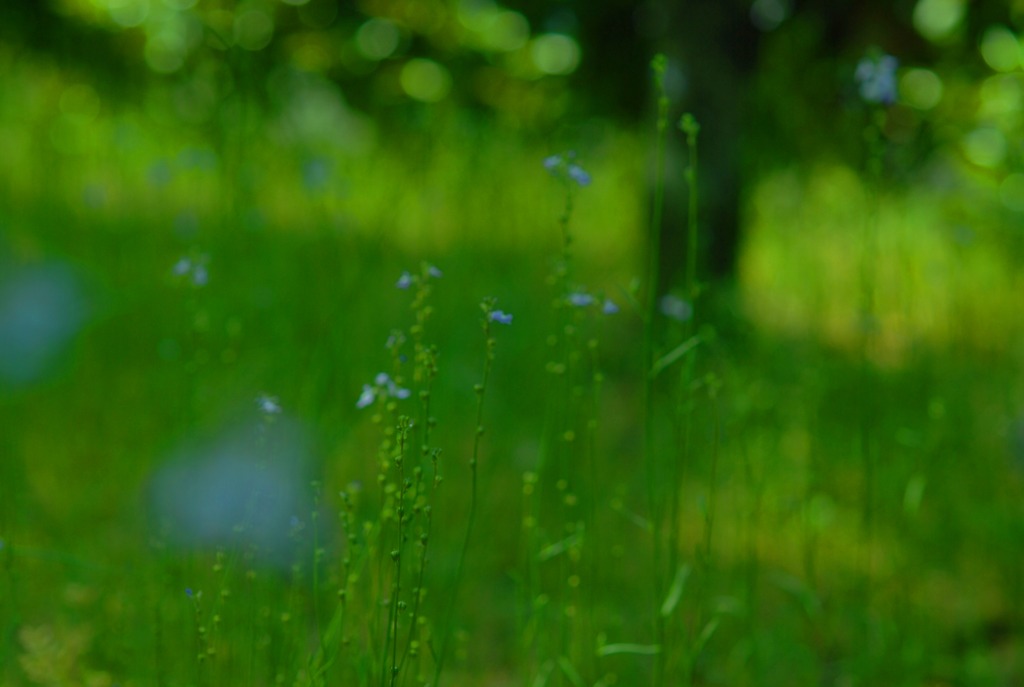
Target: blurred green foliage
(204, 203)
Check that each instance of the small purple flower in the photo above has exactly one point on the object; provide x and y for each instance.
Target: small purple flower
(500, 316)
(188, 592)
(404, 281)
(366, 397)
(268, 404)
(609, 307)
(182, 267)
(561, 166)
(383, 387)
(194, 269)
(579, 175)
(434, 272)
(675, 308)
(877, 78)
(580, 299)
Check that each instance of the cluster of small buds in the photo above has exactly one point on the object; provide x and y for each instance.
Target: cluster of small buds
(582, 299)
(383, 387)
(563, 167)
(675, 308)
(407, 279)
(876, 75)
(193, 269)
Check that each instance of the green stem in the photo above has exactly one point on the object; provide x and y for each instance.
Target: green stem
(653, 239)
(480, 389)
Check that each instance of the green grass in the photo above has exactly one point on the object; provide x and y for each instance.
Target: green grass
(545, 563)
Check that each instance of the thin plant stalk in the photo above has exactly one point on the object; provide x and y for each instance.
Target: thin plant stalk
(658, 65)
(480, 390)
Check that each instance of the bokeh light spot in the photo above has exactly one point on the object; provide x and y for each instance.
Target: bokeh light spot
(555, 53)
(425, 80)
(921, 88)
(506, 31)
(254, 29)
(377, 39)
(1011, 192)
(42, 309)
(80, 102)
(128, 13)
(767, 15)
(985, 147)
(165, 52)
(937, 20)
(1001, 97)
(1000, 49)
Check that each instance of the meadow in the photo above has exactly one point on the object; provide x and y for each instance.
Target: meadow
(411, 413)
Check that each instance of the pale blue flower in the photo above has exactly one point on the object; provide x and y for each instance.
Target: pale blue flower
(561, 166)
(268, 404)
(367, 397)
(500, 316)
(877, 78)
(580, 299)
(383, 387)
(675, 308)
(404, 281)
(609, 307)
(193, 269)
(579, 175)
(182, 267)
(434, 272)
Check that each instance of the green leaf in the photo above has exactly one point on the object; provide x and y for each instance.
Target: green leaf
(675, 593)
(640, 649)
(570, 672)
(674, 355)
(705, 635)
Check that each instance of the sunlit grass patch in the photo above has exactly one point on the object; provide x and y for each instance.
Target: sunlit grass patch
(936, 281)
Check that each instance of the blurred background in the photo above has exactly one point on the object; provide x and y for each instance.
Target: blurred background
(205, 207)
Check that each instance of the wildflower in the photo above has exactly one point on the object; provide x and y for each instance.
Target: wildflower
(434, 272)
(876, 75)
(383, 387)
(367, 397)
(404, 281)
(580, 299)
(182, 267)
(561, 166)
(675, 308)
(268, 404)
(500, 316)
(193, 269)
(579, 175)
(188, 592)
(609, 307)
